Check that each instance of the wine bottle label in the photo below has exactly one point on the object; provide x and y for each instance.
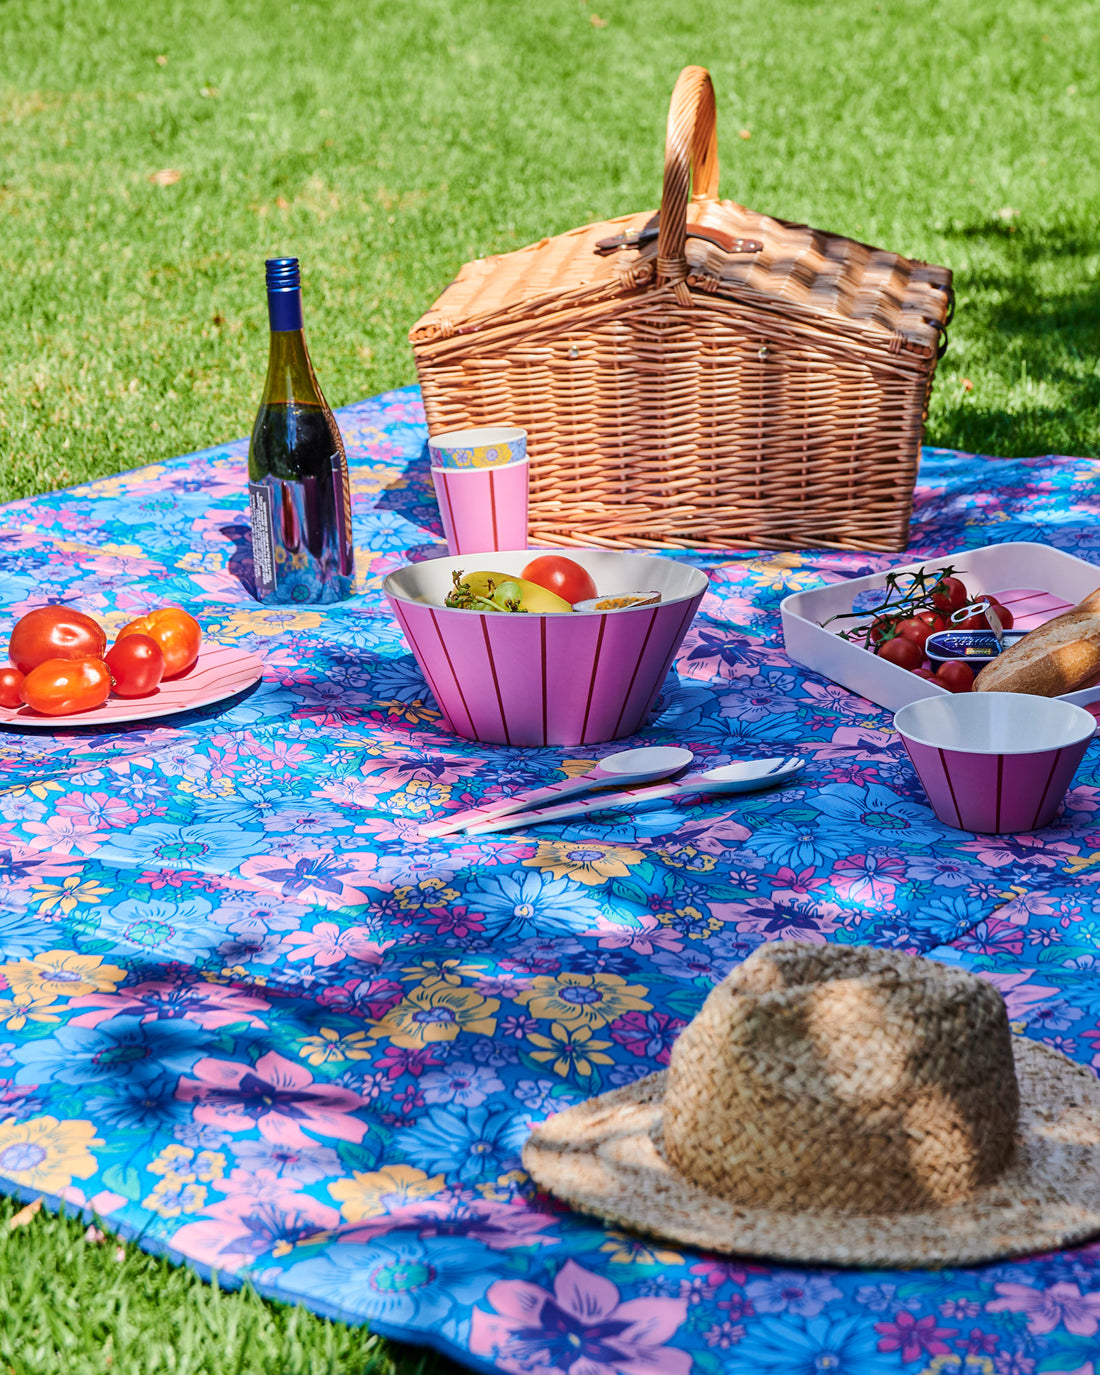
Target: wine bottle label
(261, 505)
(345, 543)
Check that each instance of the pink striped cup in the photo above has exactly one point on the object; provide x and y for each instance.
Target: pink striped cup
(483, 508)
(576, 678)
(998, 763)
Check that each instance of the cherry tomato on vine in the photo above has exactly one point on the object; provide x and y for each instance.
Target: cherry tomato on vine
(933, 620)
(902, 652)
(55, 632)
(955, 676)
(62, 687)
(979, 621)
(882, 629)
(925, 673)
(175, 633)
(11, 681)
(950, 595)
(136, 665)
(562, 576)
(914, 628)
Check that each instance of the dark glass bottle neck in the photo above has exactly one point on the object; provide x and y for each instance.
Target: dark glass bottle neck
(284, 310)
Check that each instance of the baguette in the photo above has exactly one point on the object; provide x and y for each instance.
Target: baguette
(1061, 656)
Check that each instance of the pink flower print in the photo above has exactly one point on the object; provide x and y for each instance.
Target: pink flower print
(859, 743)
(649, 936)
(326, 944)
(62, 835)
(1062, 1304)
(1019, 995)
(283, 754)
(99, 811)
(314, 877)
(263, 1214)
(871, 879)
(992, 937)
(207, 1004)
(579, 1329)
(277, 1097)
(913, 1335)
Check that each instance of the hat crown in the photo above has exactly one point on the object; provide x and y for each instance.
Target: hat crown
(845, 1078)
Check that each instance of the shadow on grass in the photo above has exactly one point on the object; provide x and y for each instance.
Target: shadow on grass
(1032, 346)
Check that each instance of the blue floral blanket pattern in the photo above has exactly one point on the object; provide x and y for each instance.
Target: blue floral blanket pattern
(248, 1015)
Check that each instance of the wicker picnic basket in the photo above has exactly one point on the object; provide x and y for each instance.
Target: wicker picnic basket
(701, 377)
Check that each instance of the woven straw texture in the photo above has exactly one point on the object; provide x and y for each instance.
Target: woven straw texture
(734, 380)
(842, 1106)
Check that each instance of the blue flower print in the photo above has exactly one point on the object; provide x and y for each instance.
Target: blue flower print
(787, 1291)
(218, 849)
(465, 1085)
(122, 1048)
(465, 1146)
(396, 1281)
(875, 816)
(20, 934)
(797, 847)
(759, 697)
(399, 680)
(144, 1105)
(845, 1346)
(530, 904)
(168, 930)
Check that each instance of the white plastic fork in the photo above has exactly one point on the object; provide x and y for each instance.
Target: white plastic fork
(745, 776)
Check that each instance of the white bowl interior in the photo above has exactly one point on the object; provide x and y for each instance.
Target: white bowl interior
(476, 439)
(994, 723)
(614, 573)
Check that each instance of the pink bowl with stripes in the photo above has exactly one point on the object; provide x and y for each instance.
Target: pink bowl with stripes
(998, 763)
(526, 680)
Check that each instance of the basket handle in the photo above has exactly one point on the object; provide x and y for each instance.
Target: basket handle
(691, 163)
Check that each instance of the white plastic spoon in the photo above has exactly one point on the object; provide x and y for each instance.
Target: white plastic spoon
(628, 766)
(746, 776)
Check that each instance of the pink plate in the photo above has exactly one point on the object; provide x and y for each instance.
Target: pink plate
(218, 672)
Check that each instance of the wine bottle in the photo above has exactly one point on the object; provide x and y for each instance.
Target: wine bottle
(297, 469)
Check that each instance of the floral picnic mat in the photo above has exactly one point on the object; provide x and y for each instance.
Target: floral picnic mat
(249, 1016)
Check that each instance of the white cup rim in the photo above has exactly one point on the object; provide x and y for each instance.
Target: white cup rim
(1079, 723)
(477, 439)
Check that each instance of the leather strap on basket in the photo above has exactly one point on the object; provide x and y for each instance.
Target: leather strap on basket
(691, 166)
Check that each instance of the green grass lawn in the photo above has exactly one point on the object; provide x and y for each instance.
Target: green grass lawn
(385, 144)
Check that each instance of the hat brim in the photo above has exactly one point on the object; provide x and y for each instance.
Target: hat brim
(600, 1157)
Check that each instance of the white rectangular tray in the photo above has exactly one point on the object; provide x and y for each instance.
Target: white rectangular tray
(993, 568)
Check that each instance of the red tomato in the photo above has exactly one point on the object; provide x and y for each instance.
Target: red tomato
(136, 665)
(933, 620)
(562, 576)
(11, 680)
(55, 632)
(882, 629)
(902, 652)
(914, 628)
(950, 595)
(925, 673)
(60, 687)
(955, 676)
(175, 633)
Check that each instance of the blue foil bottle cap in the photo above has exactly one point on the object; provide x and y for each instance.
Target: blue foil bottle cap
(284, 293)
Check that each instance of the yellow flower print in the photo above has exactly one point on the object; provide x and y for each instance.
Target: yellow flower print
(438, 1013)
(688, 857)
(701, 927)
(505, 1186)
(174, 1195)
(429, 892)
(434, 972)
(590, 1000)
(16, 1013)
(40, 788)
(269, 624)
(329, 1047)
(630, 1250)
(43, 1153)
(382, 1191)
(62, 974)
(572, 1050)
(67, 895)
(415, 713)
(185, 1164)
(782, 571)
(588, 863)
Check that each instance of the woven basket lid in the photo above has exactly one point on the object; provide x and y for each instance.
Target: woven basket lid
(842, 1105)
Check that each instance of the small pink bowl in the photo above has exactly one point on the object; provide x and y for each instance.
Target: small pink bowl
(577, 678)
(998, 763)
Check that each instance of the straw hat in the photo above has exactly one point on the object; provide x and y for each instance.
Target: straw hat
(842, 1105)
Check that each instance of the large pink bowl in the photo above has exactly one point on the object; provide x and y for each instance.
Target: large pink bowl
(569, 679)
